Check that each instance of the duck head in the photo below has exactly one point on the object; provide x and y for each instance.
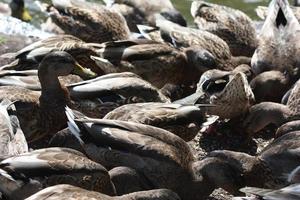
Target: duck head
(230, 92)
(277, 48)
(60, 63)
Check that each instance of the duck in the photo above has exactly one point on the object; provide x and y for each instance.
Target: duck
(143, 12)
(46, 108)
(148, 156)
(151, 152)
(232, 25)
(64, 191)
(25, 174)
(233, 170)
(183, 121)
(16, 8)
(30, 56)
(91, 23)
(271, 86)
(12, 139)
(157, 63)
(265, 113)
(228, 91)
(218, 56)
(276, 48)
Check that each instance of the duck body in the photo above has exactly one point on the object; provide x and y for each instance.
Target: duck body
(31, 56)
(70, 192)
(218, 55)
(12, 138)
(93, 23)
(54, 163)
(233, 26)
(278, 41)
(152, 153)
(155, 62)
(234, 170)
(184, 121)
(145, 11)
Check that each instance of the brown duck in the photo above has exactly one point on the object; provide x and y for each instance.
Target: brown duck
(89, 22)
(232, 25)
(183, 121)
(26, 174)
(30, 56)
(218, 55)
(155, 62)
(42, 113)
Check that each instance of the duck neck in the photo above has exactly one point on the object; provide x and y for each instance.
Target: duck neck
(53, 94)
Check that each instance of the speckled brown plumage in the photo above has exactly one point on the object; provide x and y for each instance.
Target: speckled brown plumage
(185, 37)
(30, 56)
(183, 121)
(60, 166)
(232, 25)
(91, 24)
(155, 62)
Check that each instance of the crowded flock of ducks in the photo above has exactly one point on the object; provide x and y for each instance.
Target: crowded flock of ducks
(108, 100)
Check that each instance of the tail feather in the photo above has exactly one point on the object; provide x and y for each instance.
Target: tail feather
(72, 124)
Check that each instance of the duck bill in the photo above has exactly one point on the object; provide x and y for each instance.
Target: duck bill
(26, 15)
(280, 17)
(83, 72)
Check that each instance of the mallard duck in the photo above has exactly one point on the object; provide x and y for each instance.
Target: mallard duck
(26, 174)
(183, 121)
(30, 56)
(46, 108)
(229, 92)
(12, 139)
(155, 62)
(93, 23)
(218, 55)
(233, 170)
(69, 192)
(152, 157)
(270, 86)
(277, 47)
(232, 25)
(16, 8)
(143, 11)
(265, 113)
